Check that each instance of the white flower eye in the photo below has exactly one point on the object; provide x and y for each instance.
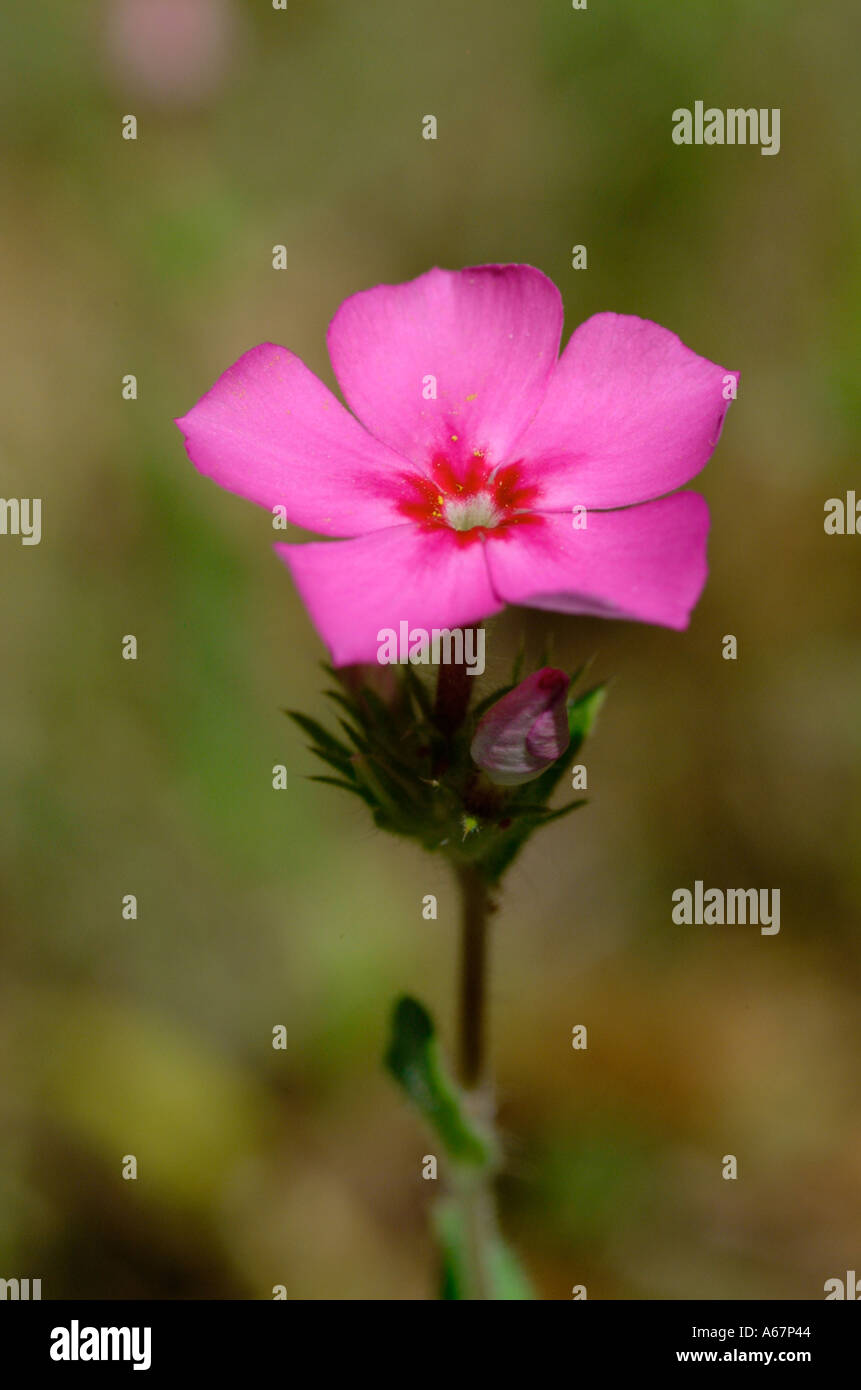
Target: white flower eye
(467, 513)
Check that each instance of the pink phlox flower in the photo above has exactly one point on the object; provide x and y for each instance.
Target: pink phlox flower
(479, 467)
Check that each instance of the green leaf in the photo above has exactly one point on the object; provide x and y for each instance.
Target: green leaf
(508, 1278)
(414, 1060)
(344, 702)
(357, 738)
(347, 787)
(542, 813)
(564, 810)
(505, 1277)
(317, 732)
(489, 700)
(450, 1233)
(342, 764)
(505, 847)
(393, 795)
(519, 662)
(376, 710)
(419, 693)
(547, 646)
(582, 714)
(580, 671)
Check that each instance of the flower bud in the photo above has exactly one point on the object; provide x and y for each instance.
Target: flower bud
(525, 731)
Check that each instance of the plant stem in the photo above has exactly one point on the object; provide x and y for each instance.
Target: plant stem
(475, 1195)
(472, 1043)
(473, 1071)
(453, 691)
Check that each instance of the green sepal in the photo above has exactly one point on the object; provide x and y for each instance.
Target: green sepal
(318, 733)
(344, 764)
(418, 693)
(345, 786)
(423, 786)
(484, 705)
(519, 662)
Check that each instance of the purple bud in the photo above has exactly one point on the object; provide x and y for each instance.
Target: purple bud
(525, 731)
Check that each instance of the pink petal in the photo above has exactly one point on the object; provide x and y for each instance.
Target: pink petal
(353, 589)
(489, 335)
(270, 431)
(630, 414)
(548, 737)
(647, 562)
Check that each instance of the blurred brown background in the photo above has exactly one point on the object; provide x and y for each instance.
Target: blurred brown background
(153, 777)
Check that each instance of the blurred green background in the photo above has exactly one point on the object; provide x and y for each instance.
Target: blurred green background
(153, 1038)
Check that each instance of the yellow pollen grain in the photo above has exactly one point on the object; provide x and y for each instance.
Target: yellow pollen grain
(454, 437)
(473, 397)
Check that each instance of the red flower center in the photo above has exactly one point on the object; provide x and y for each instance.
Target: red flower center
(471, 499)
